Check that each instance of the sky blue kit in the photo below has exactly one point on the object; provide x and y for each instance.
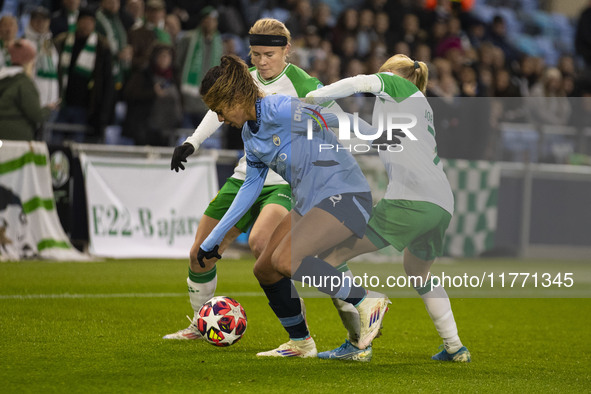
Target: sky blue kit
(278, 139)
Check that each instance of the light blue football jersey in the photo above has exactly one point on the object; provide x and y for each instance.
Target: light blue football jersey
(279, 140)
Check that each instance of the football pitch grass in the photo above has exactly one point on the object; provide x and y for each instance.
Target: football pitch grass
(98, 327)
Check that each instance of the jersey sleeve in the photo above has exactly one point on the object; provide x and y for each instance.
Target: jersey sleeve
(302, 81)
(256, 172)
(206, 128)
(307, 86)
(347, 87)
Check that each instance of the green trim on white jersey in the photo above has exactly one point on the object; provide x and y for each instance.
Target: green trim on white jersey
(302, 82)
(268, 82)
(396, 87)
(292, 81)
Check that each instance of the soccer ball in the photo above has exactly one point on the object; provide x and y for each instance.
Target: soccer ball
(222, 321)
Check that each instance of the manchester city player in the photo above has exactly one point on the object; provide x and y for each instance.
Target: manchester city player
(331, 200)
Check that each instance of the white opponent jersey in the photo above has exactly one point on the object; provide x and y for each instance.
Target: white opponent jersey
(415, 173)
(293, 81)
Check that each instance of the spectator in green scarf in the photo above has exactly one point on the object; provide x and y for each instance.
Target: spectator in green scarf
(198, 51)
(108, 23)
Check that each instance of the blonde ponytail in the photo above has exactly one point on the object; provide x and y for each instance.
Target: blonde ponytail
(412, 70)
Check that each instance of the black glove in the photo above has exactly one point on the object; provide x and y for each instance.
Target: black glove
(180, 155)
(383, 139)
(202, 254)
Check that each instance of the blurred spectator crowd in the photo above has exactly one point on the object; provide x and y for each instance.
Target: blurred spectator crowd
(128, 71)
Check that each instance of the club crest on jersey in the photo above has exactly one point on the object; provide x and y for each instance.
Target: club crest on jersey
(276, 140)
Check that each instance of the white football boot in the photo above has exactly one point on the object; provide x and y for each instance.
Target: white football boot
(371, 313)
(304, 349)
(188, 333)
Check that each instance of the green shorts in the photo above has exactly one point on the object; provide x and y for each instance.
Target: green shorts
(273, 194)
(417, 225)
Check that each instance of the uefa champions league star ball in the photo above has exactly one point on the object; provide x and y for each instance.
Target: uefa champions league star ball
(222, 321)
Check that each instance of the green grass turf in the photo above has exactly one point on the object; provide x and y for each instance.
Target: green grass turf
(57, 338)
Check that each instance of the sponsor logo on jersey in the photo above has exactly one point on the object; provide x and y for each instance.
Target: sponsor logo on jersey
(335, 199)
(284, 196)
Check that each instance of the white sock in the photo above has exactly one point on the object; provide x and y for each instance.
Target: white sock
(439, 309)
(347, 312)
(201, 287)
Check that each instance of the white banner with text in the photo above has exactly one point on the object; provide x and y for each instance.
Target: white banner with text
(30, 228)
(139, 208)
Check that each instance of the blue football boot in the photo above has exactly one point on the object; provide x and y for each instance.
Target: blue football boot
(461, 356)
(347, 351)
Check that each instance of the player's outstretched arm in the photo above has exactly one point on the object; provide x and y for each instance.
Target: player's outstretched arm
(249, 191)
(206, 128)
(345, 88)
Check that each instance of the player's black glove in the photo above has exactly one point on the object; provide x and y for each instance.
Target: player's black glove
(383, 139)
(202, 254)
(179, 156)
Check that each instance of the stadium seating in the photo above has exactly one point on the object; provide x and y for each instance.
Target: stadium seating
(533, 31)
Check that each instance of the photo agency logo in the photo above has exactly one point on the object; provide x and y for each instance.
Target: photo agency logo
(378, 137)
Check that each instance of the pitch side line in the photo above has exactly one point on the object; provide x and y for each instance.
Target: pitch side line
(480, 294)
(113, 295)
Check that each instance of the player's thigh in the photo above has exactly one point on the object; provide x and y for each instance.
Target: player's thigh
(270, 217)
(316, 232)
(295, 217)
(331, 222)
(348, 249)
(418, 225)
(206, 226)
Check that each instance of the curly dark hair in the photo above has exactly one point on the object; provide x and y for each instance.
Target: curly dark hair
(228, 85)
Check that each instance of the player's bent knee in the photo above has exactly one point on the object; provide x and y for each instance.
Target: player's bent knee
(257, 245)
(197, 268)
(258, 272)
(416, 267)
(262, 270)
(193, 258)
